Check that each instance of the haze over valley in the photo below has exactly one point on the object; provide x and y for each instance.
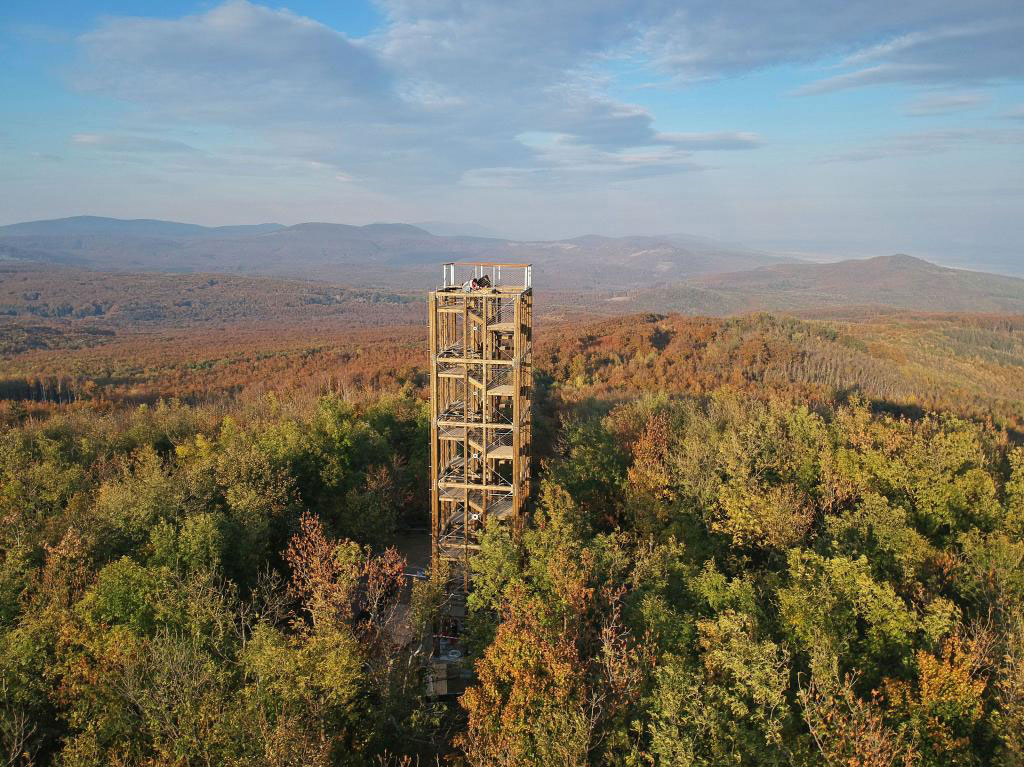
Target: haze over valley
(375, 254)
(591, 274)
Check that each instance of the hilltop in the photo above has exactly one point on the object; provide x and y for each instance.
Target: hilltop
(898, 281)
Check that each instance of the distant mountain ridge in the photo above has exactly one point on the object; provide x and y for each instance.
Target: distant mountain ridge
(380, 254)
(137, 227)
(660, 273)
(898, 281)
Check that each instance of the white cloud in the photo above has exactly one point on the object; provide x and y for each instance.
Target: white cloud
(236, 59)
(446, 90)
(443, 90)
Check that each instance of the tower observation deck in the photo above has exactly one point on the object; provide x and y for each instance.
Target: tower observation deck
(481, 373)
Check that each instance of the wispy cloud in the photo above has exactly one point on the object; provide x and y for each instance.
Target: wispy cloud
(946, 103)
(711, 141)
(877, 42)
(925, 143)
(130, 144)
(976, 48)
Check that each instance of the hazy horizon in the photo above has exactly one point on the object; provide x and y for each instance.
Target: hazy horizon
(774, 251)
(865, 130)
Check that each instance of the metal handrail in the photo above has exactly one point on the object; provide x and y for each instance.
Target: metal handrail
(448, 279)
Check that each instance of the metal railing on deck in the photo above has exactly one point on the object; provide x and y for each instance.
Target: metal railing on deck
(493, 269)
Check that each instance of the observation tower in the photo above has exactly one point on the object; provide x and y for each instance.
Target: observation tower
(481, 373)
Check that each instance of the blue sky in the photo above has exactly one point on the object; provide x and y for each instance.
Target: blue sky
(845, 128)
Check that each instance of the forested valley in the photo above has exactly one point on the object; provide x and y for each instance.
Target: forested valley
(755, 541)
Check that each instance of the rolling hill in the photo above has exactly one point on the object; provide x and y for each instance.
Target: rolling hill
(605, 275)
(378, 255)
(59, 307)
(896, 282)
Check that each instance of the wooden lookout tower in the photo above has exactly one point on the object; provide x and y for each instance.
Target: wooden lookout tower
(480, 378)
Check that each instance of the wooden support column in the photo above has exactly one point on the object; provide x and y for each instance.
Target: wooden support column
(435, 503)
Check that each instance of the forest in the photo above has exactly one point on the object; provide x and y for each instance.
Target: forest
(762, 540)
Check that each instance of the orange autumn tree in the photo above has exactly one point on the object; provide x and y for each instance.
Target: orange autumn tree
(529, 706)
(944, 705)
(333, 686)
(559, 681)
